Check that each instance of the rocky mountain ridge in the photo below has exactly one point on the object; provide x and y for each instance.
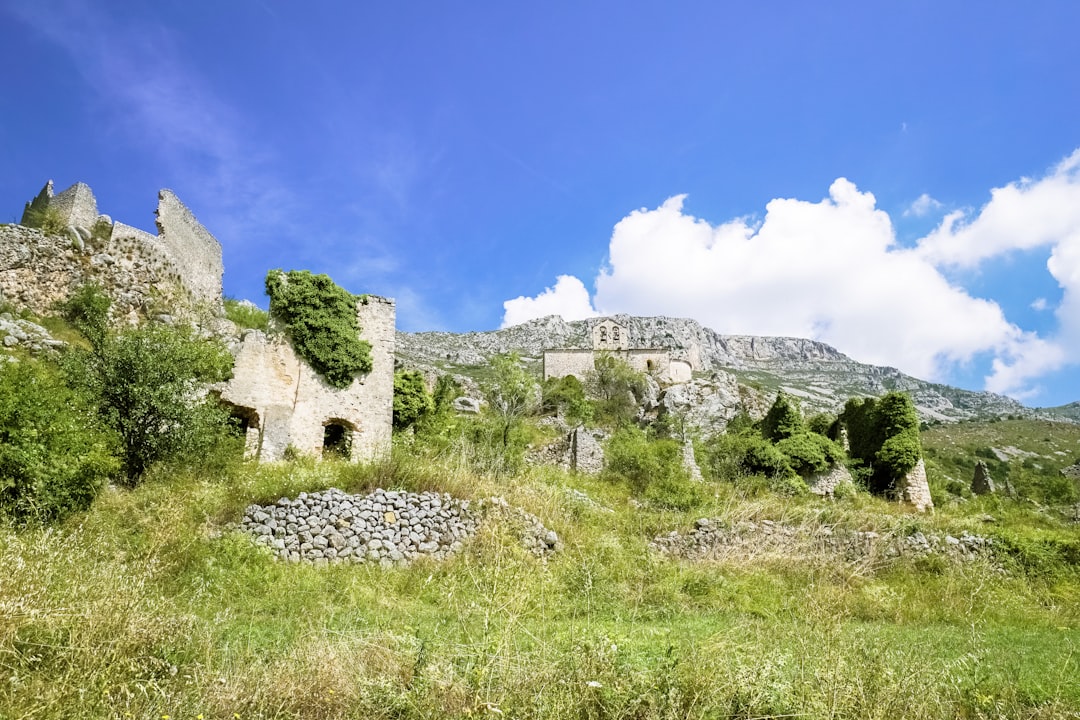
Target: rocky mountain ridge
(735, 371)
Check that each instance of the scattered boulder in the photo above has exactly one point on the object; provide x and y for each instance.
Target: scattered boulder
(467, 405)
(1072, 471)
(982, 483)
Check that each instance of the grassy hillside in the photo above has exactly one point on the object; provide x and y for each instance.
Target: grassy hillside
(151, 606)
(1029, 454)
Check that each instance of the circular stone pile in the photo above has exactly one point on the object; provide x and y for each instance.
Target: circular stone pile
(386, 527)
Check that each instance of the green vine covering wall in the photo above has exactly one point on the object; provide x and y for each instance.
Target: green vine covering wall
(320, 317)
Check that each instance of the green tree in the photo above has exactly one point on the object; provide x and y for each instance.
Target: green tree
(883, 435)
(783, 419)
(511, 393)
(88, 310)
(147, 385)
(616, 389)
(412, 401)
(809, 453)
(53, 457)
(320, 318)
(565, 396)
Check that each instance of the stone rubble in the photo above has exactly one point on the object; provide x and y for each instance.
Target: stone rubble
(714, 538)
(386, 527)
(15, 331)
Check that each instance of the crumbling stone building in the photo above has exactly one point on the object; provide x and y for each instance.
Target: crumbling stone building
(278, 399)
(611, 337)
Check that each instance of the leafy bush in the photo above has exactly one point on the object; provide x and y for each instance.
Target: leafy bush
(412, 401)
(53, 459)
(320, 317)
(246, 314)
(511, 393)
(145, 383)
(88, 310)
(566, 396)
(616, 390)
(783, 419)
(730, 456)
(653, 469)
(884, 436)
(808, 453)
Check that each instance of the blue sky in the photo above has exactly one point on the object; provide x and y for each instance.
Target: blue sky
(900, 180)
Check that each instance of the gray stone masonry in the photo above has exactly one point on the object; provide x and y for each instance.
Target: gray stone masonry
(915, 489)
(386, 527)
(142, 273)
(825, 483)
(981, 482)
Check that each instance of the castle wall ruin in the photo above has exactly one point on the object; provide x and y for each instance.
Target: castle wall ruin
(141, 272)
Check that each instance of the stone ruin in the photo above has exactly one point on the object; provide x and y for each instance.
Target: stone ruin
(611, 337)
(281, 404)
(981, 482)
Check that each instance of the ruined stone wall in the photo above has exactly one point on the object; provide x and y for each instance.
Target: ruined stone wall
(291, 404)
(193, 250)
(144, 274)
(76, 206)
(560, 363)
(38, 271)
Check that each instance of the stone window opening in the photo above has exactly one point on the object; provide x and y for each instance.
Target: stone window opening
(244, 424)
(337, 439)
(615, 334)
(603, 334)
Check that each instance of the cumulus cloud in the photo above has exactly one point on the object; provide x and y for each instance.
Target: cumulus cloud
(832, 270)
(922, 206)
(568, 298)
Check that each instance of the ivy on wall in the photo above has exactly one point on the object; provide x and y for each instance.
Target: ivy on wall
(320, 318)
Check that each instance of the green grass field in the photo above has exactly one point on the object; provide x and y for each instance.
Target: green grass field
(150, 606)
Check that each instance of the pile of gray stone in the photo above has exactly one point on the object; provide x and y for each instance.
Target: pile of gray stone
(386, 527)
(714, 539)
(17, 332)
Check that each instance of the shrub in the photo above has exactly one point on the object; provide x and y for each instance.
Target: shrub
(783, 419)
(511, 393)
(730, 456)
(566, 396)
(246, 314)
(412, 402)
(320, 318)
(616, 389)
(53, 458)
(88, 310)
(884, 436)
(145, 383)
(808, 453)
(652, 469)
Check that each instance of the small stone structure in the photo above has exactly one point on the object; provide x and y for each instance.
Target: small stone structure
(915, 489)
(981, 482)
(387, 527)
(825, 483)
(279, 400)
(611, 337)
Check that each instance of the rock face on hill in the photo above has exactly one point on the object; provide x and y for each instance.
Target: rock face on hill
(738, 372)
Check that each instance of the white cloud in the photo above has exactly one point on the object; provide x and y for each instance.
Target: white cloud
(1020, 216)
(922, 206)
(568, 298)
(1039, 304)
(831, 270)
